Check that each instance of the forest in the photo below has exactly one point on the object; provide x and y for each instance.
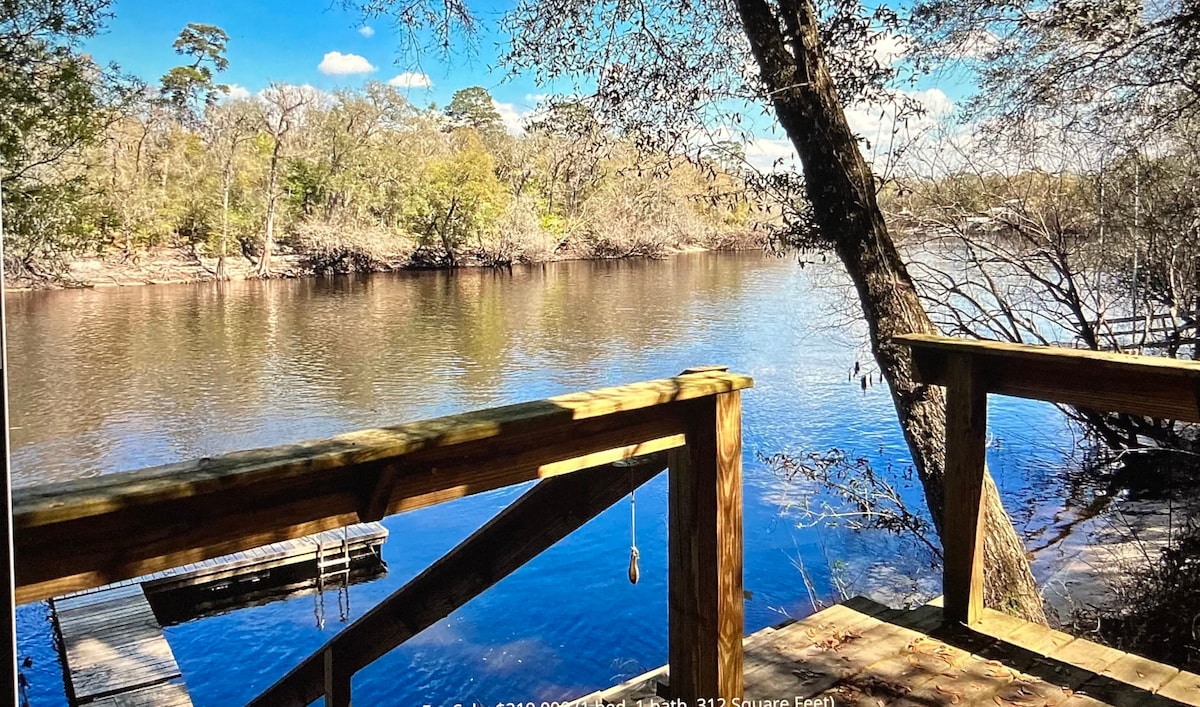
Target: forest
(299, 180)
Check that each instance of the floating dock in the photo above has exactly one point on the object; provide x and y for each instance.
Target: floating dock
(113, 645)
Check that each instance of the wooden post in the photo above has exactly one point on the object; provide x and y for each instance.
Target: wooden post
(705, 554)
(337, 682)
(962, 526)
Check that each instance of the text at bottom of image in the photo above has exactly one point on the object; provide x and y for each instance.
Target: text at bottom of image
(820, 701)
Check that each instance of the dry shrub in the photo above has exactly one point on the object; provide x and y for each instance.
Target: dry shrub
(746, 238)
(332, 247)
(1155, 609)
(1150, 602)
(619, 222)
(519, 236)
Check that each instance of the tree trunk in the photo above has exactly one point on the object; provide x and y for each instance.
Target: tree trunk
(1196, 315)
(445, 234)
(226, 183)
(264, 261)
(841, 187)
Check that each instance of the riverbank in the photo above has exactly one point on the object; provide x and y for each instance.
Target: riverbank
(183, 265)
(1127, 576)
(1086, 568)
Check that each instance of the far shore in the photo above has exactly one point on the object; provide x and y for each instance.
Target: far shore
(175, 266)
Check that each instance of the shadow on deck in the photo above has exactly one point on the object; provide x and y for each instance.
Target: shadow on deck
(863, 653)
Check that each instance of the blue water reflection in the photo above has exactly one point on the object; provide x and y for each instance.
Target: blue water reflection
(114, 380)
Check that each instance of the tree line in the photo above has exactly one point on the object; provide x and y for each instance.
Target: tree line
(353, 179)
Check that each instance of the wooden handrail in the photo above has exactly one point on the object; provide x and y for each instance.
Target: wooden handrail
(1106, 382)
(90, 532)
(970, 370)
(87, 533)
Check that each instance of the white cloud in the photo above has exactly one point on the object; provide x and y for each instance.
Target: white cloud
(514, 118)
(769, 155)
(888, 48)
(878, 124)
(978, 44)
(236, 93)
(339, 64)
(886, 130)
(367, 31)
(1049, 146)
(935, 101)
(762, 154)
(410, 79)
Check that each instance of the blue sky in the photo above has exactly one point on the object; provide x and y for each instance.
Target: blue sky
(316, 42)
(287, 40)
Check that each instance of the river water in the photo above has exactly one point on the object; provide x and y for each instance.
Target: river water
(111, 380)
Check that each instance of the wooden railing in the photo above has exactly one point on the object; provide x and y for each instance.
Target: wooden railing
(1102, 382)
(88, 533)
(1155, 330)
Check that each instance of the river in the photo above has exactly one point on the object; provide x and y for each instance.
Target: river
(110, 380)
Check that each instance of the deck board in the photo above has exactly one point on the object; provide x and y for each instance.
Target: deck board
(861, 653)
(115, 651)
(1184, 687)
(171, 694)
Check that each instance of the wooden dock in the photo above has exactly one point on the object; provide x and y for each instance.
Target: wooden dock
(862, 653)
(115, 651)
(328, 552)
(113, 645)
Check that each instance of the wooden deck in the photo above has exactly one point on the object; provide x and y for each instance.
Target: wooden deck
(862, 653)
(115, 651)
(76, 535)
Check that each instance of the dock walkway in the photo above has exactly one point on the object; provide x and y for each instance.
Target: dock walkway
(115, 651)
(861, 653)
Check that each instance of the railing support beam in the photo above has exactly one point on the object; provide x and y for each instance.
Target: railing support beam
(963, 522)
(545, 514)
(705, 550)
(337, 681)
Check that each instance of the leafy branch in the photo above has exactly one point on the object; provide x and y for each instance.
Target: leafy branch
(864, 499)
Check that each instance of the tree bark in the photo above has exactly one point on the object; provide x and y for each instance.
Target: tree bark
(264, 262)
(841, 187)
(226, 185)
(445, 233)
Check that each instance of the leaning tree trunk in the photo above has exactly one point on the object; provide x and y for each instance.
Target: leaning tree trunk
(841, 187)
